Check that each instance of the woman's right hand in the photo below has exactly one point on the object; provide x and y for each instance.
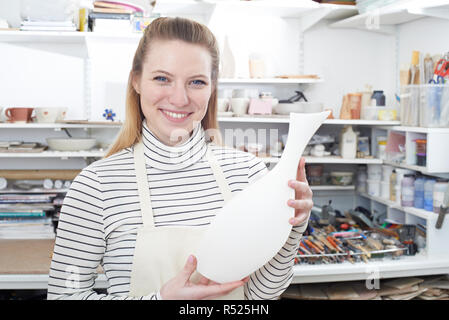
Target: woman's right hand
(181, 288)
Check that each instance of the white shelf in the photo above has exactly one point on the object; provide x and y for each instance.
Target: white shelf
(54, 154)
(274, 118)
(384, 19)
(417, 129)
(35, 190)
(268, 81)
(330, 159)
(339, 160)
(421, 213)
(362, 122)
(57, 125)
(256, 119)
(74, 37)
(405, 266)
(332, 188)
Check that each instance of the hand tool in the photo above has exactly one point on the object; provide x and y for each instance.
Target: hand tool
(333, 243)
(443, 209)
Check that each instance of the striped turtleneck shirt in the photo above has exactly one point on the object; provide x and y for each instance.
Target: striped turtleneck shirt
(100, 216)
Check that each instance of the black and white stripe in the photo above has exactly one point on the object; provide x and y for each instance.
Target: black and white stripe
(101, 214)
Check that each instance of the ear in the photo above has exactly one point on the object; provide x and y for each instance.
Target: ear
(135, 80)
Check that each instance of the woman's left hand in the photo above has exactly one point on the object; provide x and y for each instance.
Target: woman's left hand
(303, 195)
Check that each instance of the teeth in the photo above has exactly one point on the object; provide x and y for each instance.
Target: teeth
(175, 115)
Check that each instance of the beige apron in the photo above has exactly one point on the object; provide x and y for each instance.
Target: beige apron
(161, 253)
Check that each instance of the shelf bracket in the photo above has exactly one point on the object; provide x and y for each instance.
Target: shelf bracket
(312, 18)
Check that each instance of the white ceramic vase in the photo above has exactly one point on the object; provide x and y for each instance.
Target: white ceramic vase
(253, 225)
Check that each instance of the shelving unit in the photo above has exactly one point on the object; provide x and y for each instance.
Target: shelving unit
(310, 13)
(384, 19)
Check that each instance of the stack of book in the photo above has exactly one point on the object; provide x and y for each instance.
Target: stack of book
(28, 25)
(24, 216)
(112, 16)
(25, 223)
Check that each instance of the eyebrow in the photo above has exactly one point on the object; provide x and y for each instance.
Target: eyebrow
(168, 73)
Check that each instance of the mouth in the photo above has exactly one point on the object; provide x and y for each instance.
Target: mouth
(176, 117)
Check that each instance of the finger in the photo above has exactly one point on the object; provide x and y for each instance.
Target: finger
(299, 219)
(301, 205)
(188, 269)
(301, 171)
(302, 189)
(203, 292)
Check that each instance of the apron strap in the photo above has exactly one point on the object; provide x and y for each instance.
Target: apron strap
(219, 175)
(143, 188)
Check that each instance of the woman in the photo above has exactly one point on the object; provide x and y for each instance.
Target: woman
(138, 211)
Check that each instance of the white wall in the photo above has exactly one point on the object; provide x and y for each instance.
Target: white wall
(427, 35)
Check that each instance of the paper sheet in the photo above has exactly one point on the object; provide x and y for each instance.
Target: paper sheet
(253, 226)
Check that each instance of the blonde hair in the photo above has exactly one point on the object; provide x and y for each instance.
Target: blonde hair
(166, 28)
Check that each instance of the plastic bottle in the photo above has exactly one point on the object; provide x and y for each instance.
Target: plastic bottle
(393, 180)
(418, 201)
(407, 190)
(438, 194)
(348, 143)
(428, 194)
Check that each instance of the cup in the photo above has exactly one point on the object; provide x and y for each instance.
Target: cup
(62, 111)
(18, 115)
(46, 115)
(222, 104)
(240, 105)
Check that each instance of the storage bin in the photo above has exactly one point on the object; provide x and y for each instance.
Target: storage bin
(409, 107)
(341, 178)
(374, 172)
(386, 173)
(385, 189)
(370, 113)
(425, 105)
(434, 105)
(373, 187)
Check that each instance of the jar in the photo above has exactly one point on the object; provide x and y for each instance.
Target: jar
(421, 152)
(378, 98)
(393, 180)
(428, 194)
(407, 190)
(418, 201)
(438, 194)
(382, 150)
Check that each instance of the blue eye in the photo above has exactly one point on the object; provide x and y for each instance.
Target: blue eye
(198, 82)
(161, 78)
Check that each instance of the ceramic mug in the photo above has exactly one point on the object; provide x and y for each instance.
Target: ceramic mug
(46, 115)
(62, 111)
(240, 105)
(18, 115)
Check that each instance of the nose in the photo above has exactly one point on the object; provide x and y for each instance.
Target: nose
(178, 96)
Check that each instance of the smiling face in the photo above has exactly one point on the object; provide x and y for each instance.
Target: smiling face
(174, 87)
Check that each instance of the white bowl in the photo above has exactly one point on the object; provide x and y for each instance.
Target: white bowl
(300, 107)
(71, 144)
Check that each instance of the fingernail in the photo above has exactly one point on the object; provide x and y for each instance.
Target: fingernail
(293, 221)
(290, 202)
(190, 259)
